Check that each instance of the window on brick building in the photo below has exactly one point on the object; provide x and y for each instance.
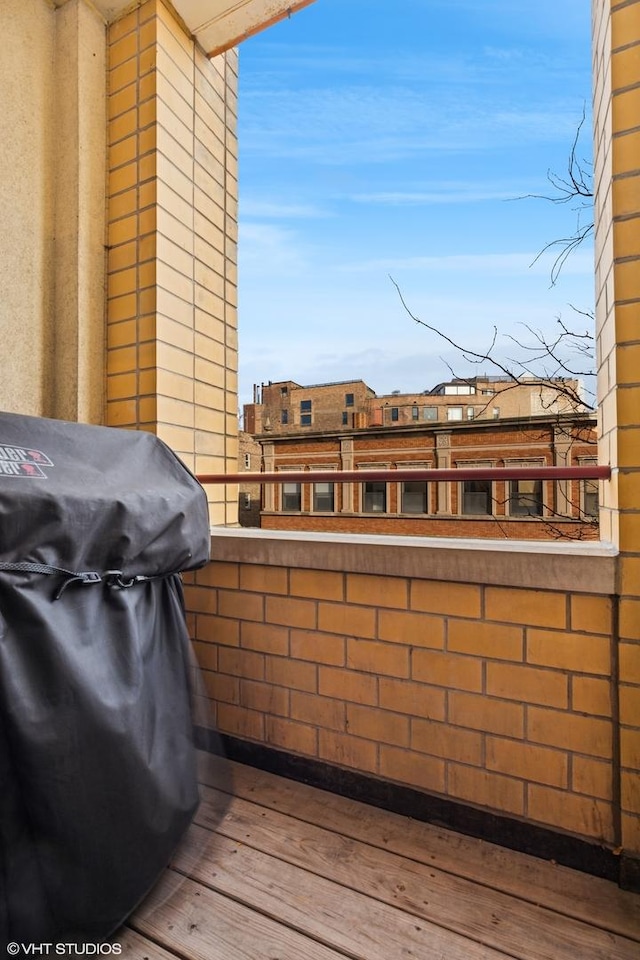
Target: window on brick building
(415, 413)
(454, 413)
(246, 501)
(291, 497)
(414, 496)
(458, 389)
(589, 491)
(429, 413)
(284, 416)
(345, 418)
(470, 413)
(395, 413)
(323, 498)
(590, 502)
(477, 497)
(284, 391)
(374, 497)
(525, 498)
(305, 413)
(247, 461)
(348, 399)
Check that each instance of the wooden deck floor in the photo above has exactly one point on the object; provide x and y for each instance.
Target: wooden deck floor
(294, 873)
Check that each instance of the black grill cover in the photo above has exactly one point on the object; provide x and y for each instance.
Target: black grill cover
(97, 765)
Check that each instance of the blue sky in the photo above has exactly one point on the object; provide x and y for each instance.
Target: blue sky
(380, 139)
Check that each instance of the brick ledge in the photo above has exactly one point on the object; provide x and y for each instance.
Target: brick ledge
(585, 567)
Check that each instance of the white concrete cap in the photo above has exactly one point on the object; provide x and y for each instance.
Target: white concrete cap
(217, 25)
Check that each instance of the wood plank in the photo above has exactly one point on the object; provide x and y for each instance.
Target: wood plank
(345, 920)
(200, 924)
(490, 917)
(561, 889)
(135, 947)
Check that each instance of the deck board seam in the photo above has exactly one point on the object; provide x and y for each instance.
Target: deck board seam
(499, 952)
(270, 915)
(162, 945)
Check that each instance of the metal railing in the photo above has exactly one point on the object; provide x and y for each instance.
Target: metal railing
(365, 475)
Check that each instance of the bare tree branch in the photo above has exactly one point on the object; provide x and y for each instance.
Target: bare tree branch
(576, 186)
(557, 363)
(546, 364)
(567, 245)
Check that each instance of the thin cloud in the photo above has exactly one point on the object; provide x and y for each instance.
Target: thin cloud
(544, 18)
(364, 124)
(268, 249)
(276, 62)
(479, 263)
(440, 193)
(277, 210)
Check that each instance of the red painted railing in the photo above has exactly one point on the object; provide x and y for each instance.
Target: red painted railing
(592, 472)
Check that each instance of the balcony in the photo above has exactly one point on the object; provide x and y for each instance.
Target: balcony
(466, 686)
(493, 689)
(295, 873)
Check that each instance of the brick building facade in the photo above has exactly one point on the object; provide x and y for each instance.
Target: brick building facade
(249, 494)
(479, 422)
(521, 509)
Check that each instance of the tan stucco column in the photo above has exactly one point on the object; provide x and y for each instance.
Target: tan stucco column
(52, 257)
(79, 154)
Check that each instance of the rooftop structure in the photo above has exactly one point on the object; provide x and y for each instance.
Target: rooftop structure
(286, 407)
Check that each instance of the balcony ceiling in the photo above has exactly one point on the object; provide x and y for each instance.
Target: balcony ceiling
(220, 24)
(217, 25)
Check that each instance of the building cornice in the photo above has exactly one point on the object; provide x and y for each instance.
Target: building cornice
(586, 419)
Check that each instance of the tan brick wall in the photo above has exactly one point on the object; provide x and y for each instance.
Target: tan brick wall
(172, 236)
(496, 696)
(617, 207)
